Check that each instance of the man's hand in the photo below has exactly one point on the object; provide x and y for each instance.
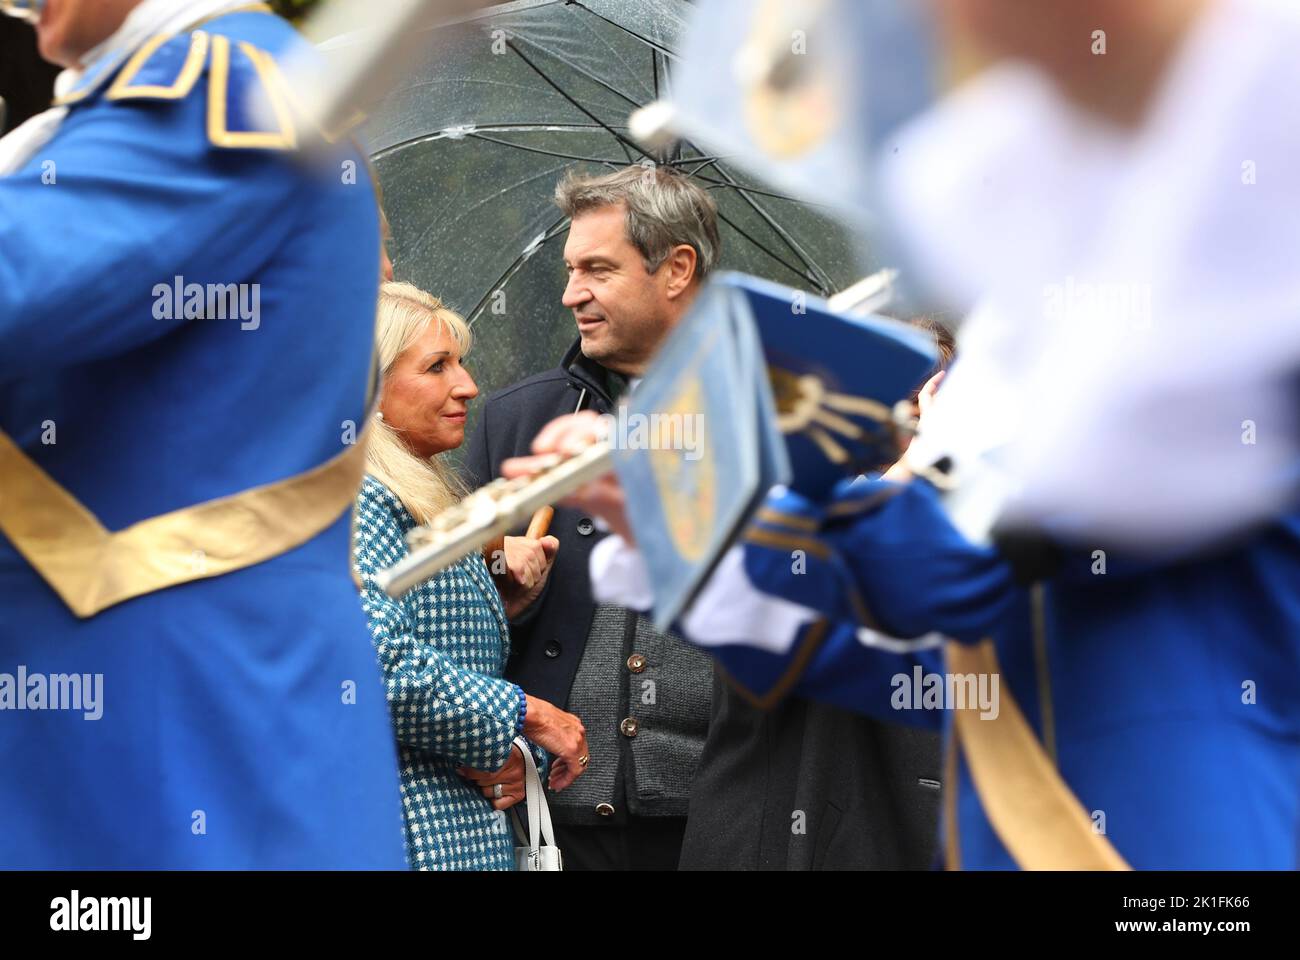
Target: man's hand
(510, 778)
(570, 435)
(528, 565)
(563, 736)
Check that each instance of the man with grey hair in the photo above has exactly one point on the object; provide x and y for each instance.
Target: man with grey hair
(641, 241)
(644, 214)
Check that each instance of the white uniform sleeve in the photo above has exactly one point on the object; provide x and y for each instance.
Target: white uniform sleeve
(728, 610)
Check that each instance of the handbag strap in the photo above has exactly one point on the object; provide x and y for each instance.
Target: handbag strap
(540, 828)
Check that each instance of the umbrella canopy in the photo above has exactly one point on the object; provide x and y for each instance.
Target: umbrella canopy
(469, 148)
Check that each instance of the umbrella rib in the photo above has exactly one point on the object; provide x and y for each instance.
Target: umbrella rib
(631, 33)
(614, 54)
(823, 281)
(550, 153)
(581, 72)
(775, 256)
(754, 190)
(819, 275)
(713, 162)
(513, 126)
(705, 162)
(463, 212)
(549, 233)
(623, 141)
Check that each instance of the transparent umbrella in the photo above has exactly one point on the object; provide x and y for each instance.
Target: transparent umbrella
(469, 147)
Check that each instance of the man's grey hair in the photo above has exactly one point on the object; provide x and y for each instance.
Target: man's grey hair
(664, 208)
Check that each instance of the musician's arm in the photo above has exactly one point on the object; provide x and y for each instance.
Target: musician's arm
(888, 555)
(770, 647)
(91, 245)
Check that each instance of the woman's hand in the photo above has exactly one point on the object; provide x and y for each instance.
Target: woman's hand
(528, 565)
(563, 736)
(510, 779)
(569, 435)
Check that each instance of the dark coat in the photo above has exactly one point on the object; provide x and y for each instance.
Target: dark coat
(867, 791)
(549, 637)
(804, 786)
(575, 654)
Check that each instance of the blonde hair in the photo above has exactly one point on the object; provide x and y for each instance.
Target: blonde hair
(425, 486)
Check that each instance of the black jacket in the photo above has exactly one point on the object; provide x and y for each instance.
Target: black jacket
(805, 786)
(548, 639)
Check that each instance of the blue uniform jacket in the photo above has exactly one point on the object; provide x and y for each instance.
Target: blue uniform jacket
(242, 720)
(1168, 695)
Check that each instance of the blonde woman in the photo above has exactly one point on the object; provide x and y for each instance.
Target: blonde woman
(443, 646)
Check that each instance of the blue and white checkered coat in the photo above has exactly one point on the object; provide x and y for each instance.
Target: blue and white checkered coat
(443, 648)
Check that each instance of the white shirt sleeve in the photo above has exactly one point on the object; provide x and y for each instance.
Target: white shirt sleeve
(728, 610)
(619, 575)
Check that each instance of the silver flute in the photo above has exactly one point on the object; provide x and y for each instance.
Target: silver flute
(488, 513)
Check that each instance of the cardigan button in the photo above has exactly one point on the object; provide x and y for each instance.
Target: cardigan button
(605, 809)
(552, 650)
(628, 727)
(585, 526)
(636, 662)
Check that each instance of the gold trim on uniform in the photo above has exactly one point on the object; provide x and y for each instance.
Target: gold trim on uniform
(792, 520)
(1031, 808)
(811, 641)
(92, 568)
(286, 138)
(851, 508)
(951, 832)
(76, 95)
(789, 541)
(179, 89)
(79, 94)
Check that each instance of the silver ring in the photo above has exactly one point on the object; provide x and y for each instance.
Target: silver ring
(496, 791)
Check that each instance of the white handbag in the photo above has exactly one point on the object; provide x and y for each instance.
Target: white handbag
(534, 856)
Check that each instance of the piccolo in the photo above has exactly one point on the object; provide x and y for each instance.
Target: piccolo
(490, 512)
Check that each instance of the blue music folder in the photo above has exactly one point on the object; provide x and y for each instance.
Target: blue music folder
(758, 386)
(836, 379)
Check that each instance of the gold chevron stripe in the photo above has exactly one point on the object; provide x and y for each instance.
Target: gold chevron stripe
(219, 134)
(798, 664)
(81, 93)
(1032, 809)
(792, 520)
(92, 568)
(180, 87)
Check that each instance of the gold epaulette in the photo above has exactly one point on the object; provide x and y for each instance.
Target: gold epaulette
(249, 103)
